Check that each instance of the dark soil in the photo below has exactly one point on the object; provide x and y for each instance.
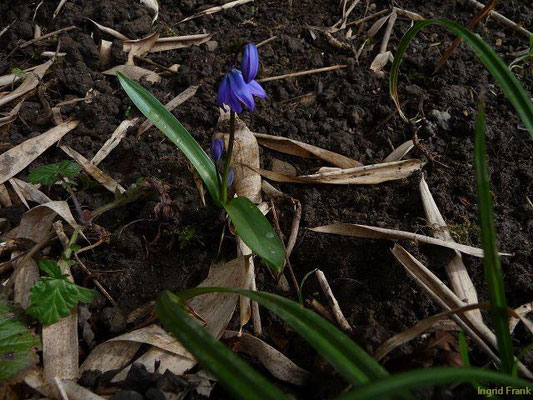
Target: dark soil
(147, 253)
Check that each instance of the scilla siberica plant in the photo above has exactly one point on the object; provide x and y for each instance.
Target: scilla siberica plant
(237, 88)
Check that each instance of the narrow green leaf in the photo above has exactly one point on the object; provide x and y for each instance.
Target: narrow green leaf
(493, 269)
(172, 129)
(352, 362)
(463, 349)
(16, 345)
(230, 370)
(54, 297)
(503, 75)
(255, 230)
(388, 387)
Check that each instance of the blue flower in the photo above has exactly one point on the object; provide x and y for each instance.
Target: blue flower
(217, 148)
(229, 179)
(233, 91)
(250, 62)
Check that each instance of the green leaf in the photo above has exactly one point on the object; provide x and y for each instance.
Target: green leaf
(16, 345)
(352, 362)
(54, 297)
(230, 370)
(491, 259)
(505, 78)
(255, 230)
(172, 129)
(51, 173)
(389, 387)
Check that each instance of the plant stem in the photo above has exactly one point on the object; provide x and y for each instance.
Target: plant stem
(227, 161)
(75, 201)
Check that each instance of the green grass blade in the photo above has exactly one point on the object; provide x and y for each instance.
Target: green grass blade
(350, 361)
(230, 370)
(172, 129)
(493, 269)
(503, 75)
(412, 380)
(255, 230)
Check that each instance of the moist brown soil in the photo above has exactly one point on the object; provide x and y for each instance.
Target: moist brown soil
(147, 254)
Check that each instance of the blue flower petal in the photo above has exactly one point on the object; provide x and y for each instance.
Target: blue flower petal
(250, 62)
(217, 147)
(224, 91)
(256, 89)
(229, 179)
(240, 89)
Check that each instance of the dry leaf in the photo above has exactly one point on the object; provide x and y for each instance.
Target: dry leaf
(380, 61)
(367, 175)
(104, 50)
(283, 167)
(300, 149)
(399, 152)
(139, 47)
(523, 310)
(118, 134)
(374, 232)
(171, 105)
(5, 199)
(180, 42)
(29, 191)
(77, 392)
(98, 175)
(31, 81)
(109, 356)
(109, 31)
(216, 9)
(456, 270)
(376, 26)
(19, 157)
(274, 361)
(136, 73)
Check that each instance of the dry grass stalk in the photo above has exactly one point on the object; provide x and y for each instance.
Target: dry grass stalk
(502, 19)
(302, 73)
(333, 303)
(216, 9)
(118, 134)
(399, 152)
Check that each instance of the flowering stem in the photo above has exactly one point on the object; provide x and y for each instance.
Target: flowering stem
(227, 161)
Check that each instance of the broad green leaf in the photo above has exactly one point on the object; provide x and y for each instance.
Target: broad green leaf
(503, 75)
(16, 345)
(255, 230)
(230, 370)
(172, 129)
(389, 387)
(51, 173)
(491, 259)
(352, 362)
(54, 297)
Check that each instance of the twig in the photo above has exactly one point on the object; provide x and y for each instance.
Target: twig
(30, 42)
(320, 309)
(295, 227)
(364, 19)
(302, 73)
(59, 7)
(95, 281)
(339, 316)
(288, 263)
(408, 14)
(504, 20)
(266, 41)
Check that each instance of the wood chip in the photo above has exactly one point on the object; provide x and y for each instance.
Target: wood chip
(304, 150)
(98, 175)
(19, 157)
(374, 232)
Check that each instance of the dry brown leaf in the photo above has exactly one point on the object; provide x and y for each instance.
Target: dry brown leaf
(171, 105)
(274, 361)
(9, 79)
(10, 117)
(109, 356)
(134, 72)
(380, 61)
(367, 175)
(374, 232)
(77, 392)
(109, 31)
(118, 134)
(5, 199)
(104, 51)
(31, 81)
(62, 209)
(523, 310)
(456, 270)
(139, 47)
(399, 152)
(420, 327)
(180, 42)
(216, 9)
(34, 379)
(29, 191)
(283, 167)
(376, 26)
(19, 157)
(58, 8)
(98, 175)
(300, 149)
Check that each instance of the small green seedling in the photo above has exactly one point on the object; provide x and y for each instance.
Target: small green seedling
(52, 173)
(54, 296)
